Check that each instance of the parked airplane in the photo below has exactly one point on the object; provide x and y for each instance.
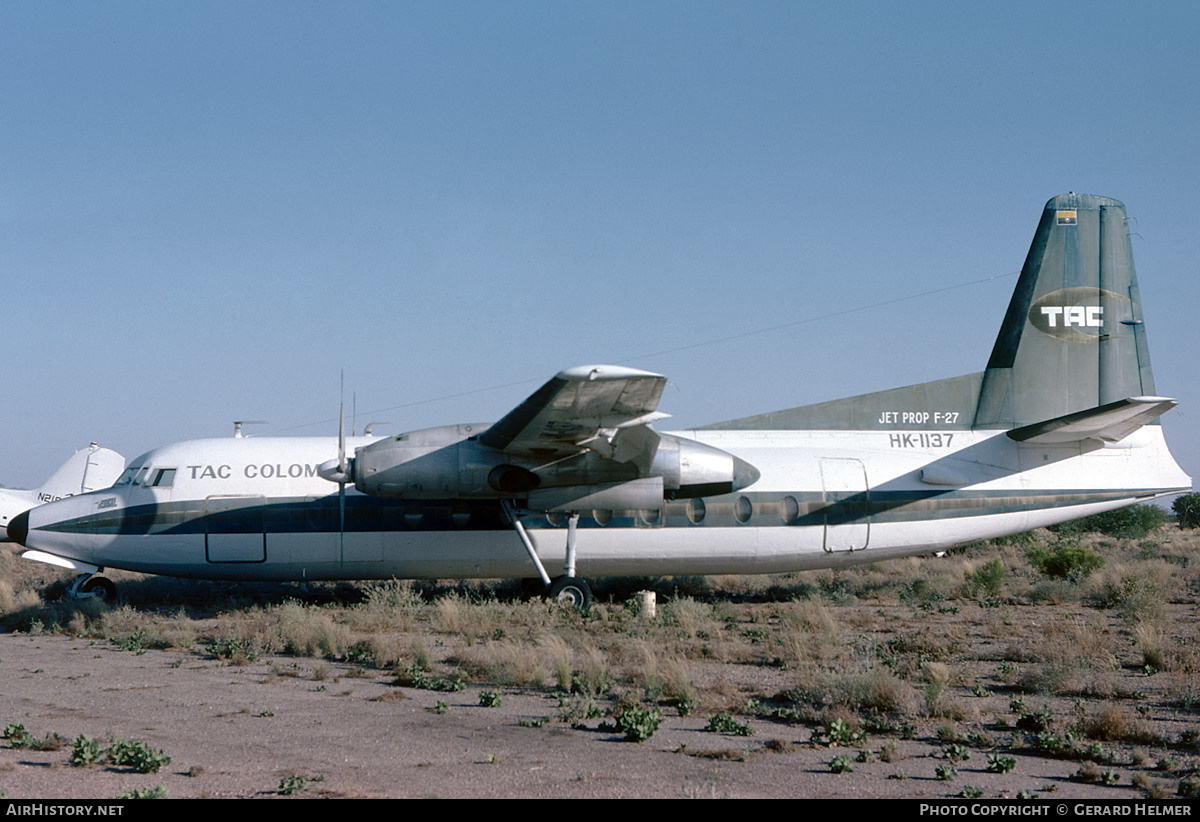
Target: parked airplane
(87, 470)
(1061, 424)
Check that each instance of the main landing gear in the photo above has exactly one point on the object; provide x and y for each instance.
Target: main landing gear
(92, 586)
(571, 591)
(568, 589)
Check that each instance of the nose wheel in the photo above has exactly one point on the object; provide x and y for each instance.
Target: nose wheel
(92, 586)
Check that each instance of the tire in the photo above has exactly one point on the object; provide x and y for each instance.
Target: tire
(99, 587)
(571, 591)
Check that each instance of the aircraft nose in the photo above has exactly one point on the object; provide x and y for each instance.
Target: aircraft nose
(18, 528)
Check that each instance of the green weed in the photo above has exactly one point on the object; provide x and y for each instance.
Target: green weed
(85, 751)
(137, 755)
(726, 724)
(999, 763)
(1069, 562)
(639, 723)
(157, 792)
(841, 764)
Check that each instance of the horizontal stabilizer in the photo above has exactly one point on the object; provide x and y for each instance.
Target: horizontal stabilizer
(1111, 422)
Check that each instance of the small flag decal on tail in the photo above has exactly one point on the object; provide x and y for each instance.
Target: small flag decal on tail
(1067, 217)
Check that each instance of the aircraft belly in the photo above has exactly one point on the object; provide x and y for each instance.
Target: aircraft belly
(304, 549)
(236, 547)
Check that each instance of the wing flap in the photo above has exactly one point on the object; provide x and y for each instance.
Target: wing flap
(574, 408)
(1111, 422)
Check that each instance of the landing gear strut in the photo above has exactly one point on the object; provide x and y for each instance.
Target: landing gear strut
(568, 589)
(92, 586)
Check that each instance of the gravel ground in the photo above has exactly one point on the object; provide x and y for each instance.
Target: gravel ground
(239, 731)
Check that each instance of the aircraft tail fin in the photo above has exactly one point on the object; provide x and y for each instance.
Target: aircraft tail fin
(1071, 356)
(86, 470)
(1073, 337)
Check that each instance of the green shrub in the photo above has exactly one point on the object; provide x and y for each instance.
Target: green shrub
(1048, 742)
(138, 755)
(683, 704)
(293, 784)
(987, 581)
(956, 753)
(726, 724)
(998, 763)
(1187, 510)
(1070, 562)
(638, 723)
(1135, 599)
(1132, 522)
(415, 676)
(85, 751)
(157, 792)
(233, 648)
(17, 736)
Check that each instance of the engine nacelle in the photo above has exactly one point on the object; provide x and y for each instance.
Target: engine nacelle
(434, 463)
(448, 462)
(693, 469)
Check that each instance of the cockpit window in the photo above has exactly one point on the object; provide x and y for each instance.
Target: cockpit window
(162, 478)
(141, 476)
(127, 477)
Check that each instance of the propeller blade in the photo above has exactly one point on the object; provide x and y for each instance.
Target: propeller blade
(342, 467)
(342, 429)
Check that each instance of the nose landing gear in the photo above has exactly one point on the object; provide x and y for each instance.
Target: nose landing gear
(92, 586)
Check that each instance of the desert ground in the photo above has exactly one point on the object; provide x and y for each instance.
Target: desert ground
(980, 673)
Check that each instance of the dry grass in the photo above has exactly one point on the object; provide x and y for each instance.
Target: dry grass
(1114, 723)
(913, 644)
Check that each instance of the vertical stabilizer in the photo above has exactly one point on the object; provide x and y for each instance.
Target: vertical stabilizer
(1073, 337)
(87, 470)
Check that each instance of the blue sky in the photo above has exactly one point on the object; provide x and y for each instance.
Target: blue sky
(210, 210)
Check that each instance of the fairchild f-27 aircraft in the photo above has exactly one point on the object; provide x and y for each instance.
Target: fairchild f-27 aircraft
(1061, 424)
(86, 470)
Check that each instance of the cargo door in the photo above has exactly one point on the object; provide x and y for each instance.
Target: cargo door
(847, 504)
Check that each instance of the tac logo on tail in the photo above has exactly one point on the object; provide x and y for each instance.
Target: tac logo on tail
(1078, 314)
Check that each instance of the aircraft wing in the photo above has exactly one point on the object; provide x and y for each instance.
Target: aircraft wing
(582, 408)
(1111, 422)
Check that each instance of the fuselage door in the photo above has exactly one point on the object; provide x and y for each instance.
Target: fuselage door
(235, 529)
(847, 504)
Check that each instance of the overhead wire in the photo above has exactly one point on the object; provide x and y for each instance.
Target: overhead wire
(690, 346)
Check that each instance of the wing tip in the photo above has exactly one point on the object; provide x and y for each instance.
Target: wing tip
(605, 372)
